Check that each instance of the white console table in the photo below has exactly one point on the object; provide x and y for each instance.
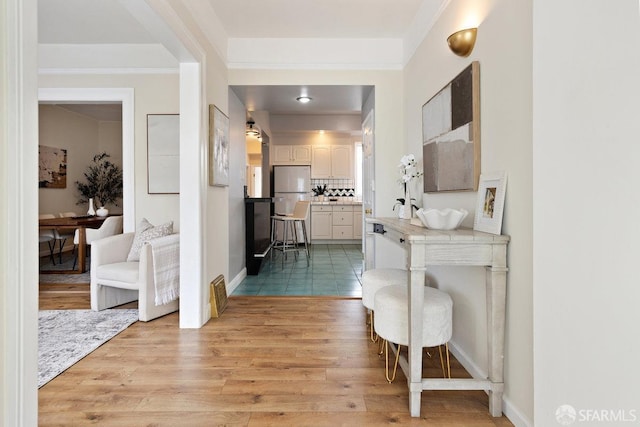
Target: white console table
(426, 248)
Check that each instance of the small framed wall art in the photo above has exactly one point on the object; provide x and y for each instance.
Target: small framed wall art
(218, 147)
(490, 204)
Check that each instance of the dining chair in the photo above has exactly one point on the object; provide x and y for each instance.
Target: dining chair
(110, 227)
(61, 237)
(48, 236)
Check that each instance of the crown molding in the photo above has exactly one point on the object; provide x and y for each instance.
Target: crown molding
(427, 16)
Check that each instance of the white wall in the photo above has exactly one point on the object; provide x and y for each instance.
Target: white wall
(503, 49)
(586, 63)
(217, 203)
(154, 94)
(314, 138)
(237, 181)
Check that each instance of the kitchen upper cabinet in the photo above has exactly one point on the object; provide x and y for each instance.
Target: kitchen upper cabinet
(342, 161)
(332, 161)
(291, 154)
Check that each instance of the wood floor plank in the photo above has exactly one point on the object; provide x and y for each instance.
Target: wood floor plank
(266, 361)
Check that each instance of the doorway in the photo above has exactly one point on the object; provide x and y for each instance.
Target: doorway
(125, 97)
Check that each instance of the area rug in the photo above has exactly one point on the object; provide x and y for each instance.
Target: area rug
(66, 336)
(67, 264)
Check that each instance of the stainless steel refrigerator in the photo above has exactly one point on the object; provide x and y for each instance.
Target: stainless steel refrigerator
(290, 184)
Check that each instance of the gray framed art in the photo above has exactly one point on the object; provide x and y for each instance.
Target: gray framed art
(451, 134)
(163, 153)
(218, 147)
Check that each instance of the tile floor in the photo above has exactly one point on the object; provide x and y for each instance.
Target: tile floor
(334, 270)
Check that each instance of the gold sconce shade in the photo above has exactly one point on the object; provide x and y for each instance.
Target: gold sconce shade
(461, 42)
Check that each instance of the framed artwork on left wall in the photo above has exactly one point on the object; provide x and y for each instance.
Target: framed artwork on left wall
(218, 147)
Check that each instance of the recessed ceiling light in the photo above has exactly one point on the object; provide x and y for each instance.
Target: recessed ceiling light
(303, 99)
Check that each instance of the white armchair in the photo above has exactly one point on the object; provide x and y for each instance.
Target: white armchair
(116, 281)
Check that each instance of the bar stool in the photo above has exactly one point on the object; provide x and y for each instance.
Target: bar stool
(289, 242)
(375, 279)
(391, 305)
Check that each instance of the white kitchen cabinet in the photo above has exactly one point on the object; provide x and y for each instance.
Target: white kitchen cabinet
(342, 162)
(291, 154)
(342, 222)
(357, 221)
(332, 162)
(336, 222)
(321, 222)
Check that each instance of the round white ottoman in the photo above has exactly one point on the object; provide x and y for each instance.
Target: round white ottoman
(375, 279)
(391, 319)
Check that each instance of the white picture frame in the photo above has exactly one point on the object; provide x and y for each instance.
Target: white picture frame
(490, 203)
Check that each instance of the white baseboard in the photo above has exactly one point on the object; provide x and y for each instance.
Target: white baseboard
(466, 362)
(236, 281)
(514, 414)
(508, 408)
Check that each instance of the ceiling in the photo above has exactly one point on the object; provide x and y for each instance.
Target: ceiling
(282, 99)
(316, 19)
(109, 22)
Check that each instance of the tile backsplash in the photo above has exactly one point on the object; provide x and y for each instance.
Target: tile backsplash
(336, 187)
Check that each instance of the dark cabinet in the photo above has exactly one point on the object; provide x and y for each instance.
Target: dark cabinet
(258, 213)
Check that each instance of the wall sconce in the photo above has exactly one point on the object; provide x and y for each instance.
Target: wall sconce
(461, 42)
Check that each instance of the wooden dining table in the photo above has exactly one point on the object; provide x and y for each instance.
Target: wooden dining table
(81, 223)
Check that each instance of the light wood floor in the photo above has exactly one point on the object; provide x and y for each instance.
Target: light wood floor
(281, 361)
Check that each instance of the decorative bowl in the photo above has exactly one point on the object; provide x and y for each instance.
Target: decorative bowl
(442, 219)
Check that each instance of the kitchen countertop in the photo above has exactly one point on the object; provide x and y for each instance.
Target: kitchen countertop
(337, 202)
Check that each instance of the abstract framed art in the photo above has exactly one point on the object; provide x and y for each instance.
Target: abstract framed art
(52, 167)
(218, 147)
(451, 134)
(490, 202)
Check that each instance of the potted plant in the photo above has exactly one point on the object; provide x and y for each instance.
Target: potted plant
(408, 172)
(401, 205)
(103, 183)
(319, 191)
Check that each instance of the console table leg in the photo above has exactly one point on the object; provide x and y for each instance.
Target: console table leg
(496, 282)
